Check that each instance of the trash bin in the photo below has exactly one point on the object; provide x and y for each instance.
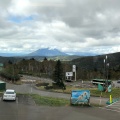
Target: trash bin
(101, 88)
(2, 85)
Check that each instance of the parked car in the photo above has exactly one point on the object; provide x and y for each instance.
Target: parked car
(9, 94)
(118, 81)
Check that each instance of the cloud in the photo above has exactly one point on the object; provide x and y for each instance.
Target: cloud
(68, 25)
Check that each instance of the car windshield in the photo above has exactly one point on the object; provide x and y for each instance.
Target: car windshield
(9, 92)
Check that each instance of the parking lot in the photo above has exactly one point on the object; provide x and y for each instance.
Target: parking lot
(21, 99)
(115, 107)
(27, 100)
(117, 85)
(24, 108)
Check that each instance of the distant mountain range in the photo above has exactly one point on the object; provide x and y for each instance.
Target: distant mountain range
(48, 53)
(97, 62)
(12, 54)
(82, 53)
(85, 62)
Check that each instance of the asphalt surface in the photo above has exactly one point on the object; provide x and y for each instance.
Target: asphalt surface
(24, 108)
(117, 85)
(17, 111)
(30, 88)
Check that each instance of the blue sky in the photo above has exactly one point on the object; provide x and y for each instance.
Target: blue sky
(68, 25)
(20, 19)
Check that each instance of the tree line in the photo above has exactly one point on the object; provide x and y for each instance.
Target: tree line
(47, 69)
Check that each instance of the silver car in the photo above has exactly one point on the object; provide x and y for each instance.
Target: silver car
(9, 94)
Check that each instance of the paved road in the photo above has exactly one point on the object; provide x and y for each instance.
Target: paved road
(116, 84)
(19, 110)
(29, 88)
(113, 107)
(14, 111)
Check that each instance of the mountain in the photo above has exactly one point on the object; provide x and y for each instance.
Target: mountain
(82, 53)
(97, 62)
(11, 54)
(47, 52)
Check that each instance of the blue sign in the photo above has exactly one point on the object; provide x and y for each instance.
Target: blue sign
(109, 88)
(80, 96)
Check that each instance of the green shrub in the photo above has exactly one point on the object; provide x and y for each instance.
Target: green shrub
(42, 84)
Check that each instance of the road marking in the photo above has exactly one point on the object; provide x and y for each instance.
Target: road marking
(17, 100)
(112, 107)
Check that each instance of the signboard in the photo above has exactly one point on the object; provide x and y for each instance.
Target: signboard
(80, 96)
(69, 74)
(74, 68)
(109, 88)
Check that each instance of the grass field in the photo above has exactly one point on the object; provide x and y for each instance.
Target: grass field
(115, 93)
(50, 101)
(93, 91)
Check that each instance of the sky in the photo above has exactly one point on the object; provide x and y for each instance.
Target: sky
(67, 25)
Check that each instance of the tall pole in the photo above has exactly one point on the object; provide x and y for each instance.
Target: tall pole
(107, 72)
(104, 72)
(74, 70)
(106, 67)
(75, 75)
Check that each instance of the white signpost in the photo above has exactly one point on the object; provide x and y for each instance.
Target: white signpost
(69, 75)
(74, 68)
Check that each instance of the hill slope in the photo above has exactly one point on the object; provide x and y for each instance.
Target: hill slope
(97, 62)
(47, 52)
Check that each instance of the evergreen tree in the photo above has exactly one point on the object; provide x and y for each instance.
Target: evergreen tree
(58, 74)
(10, 62)
(45, 59)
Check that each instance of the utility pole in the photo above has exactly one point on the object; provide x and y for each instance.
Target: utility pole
(106, 67)
(74, 70)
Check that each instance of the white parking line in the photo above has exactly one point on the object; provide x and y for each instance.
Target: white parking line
(17, 100)
(112, 107)
(115, 106)
(117, 103)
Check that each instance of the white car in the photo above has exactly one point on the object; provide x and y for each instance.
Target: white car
(9, 94)
(118, 81)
